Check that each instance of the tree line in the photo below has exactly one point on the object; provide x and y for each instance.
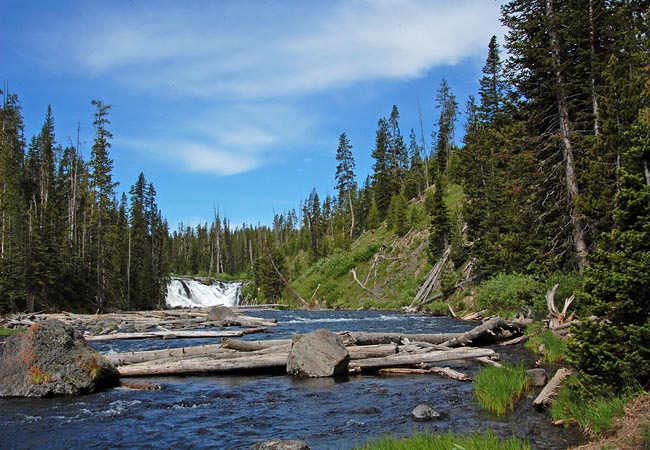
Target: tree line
(66, 241)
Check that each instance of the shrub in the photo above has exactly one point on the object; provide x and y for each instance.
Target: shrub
(508, 294)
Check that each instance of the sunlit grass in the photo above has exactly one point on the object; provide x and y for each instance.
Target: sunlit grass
(10, 331)
(447, 441)
(595, 416)
(552, 349)
(498, 389)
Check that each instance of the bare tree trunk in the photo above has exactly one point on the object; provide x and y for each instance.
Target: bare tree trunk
(571, 179)
(351, 215)
(594, 94)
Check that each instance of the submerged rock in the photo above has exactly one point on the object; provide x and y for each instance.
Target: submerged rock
(281, 445)
(50, 359)
(318, 354)
(424, 413)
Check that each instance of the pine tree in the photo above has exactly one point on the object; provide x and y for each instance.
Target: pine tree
(440, 227)
(445, 136)
(385, 185)
(612, 353)
(12, 206)
(42, 251)
(397, 218)
(345, 179)
(103, 189)
(492, 88)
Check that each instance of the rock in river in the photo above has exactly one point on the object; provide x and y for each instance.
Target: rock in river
(49, 359)
(424, 413)
(281, 445)
(318, 354)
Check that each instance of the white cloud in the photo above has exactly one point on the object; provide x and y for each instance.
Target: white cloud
(245, 66)
(239, 52)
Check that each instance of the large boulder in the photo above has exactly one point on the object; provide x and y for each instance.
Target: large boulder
(317, 354)
(50, 359)
(220, 312)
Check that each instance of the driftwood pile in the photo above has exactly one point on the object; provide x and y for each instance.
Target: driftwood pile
(369, 352)
(167, 324)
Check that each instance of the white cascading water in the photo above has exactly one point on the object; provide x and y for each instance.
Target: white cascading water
(191, 293)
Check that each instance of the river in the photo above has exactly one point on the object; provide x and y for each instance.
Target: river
(235, 412)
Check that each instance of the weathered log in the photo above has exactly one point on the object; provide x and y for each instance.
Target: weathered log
(551, 388)
(179, 334)
(247, 362)
(120, 359)
(353, 271)
(515, 341)
(364, 338)
(251, 346)
(431, 282)
(558, 318)
(487, 331)
(417, 358)
(442, 371)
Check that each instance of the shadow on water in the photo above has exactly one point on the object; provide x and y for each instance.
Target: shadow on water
(234, 412)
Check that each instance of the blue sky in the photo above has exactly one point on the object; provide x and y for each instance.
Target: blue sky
(239, 104)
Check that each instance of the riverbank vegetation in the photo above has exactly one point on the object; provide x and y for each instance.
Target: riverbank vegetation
(550, 180)
(498, 389)
(448, 441)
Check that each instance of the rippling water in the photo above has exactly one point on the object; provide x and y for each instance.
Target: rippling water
(235, 412)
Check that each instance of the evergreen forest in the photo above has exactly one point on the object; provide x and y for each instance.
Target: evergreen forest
(546, 175)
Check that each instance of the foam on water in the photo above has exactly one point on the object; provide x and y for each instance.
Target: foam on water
(191, 293)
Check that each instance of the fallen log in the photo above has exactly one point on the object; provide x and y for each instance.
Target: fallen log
(517, 340)
(251, 346)
(488, 331)
(121, 359)
(367, 338)
(179, 334)
(442, 371)
(398, 360)
(551, 387)
(247, 362)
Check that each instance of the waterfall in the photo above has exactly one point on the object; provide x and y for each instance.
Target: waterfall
(192, 293)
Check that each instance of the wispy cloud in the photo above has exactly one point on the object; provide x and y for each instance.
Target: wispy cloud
(217, 50)
(254, 61)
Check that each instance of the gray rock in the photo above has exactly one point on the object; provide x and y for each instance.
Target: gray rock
(50, 359)
(424, 413)
(216, 313)
(281, 445)
(539, 377)
(317, 354)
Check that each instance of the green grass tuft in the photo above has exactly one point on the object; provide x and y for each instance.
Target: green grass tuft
(498, 389)
(447, 441)
(552, 349)
(10, 331)
(595, 416)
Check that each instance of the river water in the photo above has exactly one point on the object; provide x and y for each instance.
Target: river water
(235, 412)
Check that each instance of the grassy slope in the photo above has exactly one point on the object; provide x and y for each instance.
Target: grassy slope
(401, 267)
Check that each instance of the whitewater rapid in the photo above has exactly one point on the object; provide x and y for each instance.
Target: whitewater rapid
(191, 293)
